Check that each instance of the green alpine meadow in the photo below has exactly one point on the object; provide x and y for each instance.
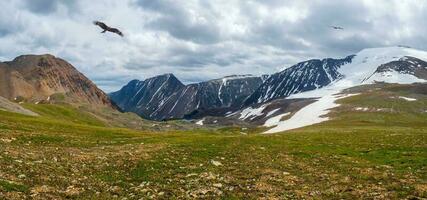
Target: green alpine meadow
(357, 154)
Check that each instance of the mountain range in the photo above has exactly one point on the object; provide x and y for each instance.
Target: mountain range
(370, 66)
(237, 98)
(165, 97)
(350, 128)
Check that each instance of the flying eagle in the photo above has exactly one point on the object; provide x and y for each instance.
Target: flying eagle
(337, 28)
(107, 28)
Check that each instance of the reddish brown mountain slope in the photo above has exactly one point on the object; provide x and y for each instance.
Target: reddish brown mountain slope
(37, 77)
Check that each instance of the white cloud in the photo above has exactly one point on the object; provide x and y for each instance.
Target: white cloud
(200, 40)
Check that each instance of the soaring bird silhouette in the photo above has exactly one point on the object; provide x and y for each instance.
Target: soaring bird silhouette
(337, 28)
(107, 28)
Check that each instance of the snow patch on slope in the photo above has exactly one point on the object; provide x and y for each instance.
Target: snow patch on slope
(200, 122)
(309, 115)
(394, 77)
(274, 121)
(252, 112)
(361, 109)
(407, 99)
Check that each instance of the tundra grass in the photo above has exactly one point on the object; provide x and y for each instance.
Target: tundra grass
(357, 155)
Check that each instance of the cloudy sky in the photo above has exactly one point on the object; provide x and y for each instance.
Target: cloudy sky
(203, 39)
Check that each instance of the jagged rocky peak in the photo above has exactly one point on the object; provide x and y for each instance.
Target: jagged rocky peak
(156, 99)
(304, 76)
(264, 77)
(227, 92)
(143, 97)
(38, 77)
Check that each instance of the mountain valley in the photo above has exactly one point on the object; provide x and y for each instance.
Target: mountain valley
(351, 128)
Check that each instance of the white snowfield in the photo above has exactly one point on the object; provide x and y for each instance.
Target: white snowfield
(395, 77)
(274, 121)
(361, 109)
(311, 114)
(407, 98)
(251, 113)
(360, 71)
(200, 122)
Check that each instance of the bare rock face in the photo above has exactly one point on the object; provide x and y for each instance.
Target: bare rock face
(38, 77)
(302, 77)
(145, 97)
(165, 97)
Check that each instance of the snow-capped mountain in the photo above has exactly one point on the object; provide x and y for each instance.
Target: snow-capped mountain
(414, 67)
(165, 97)
(304, 76)
(391, 65)
(372, 65)
(307, 88)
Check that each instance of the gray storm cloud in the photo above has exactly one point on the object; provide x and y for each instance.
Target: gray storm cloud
(199, 40)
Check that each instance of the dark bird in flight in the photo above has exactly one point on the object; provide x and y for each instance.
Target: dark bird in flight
(337, 28)
(107, 28)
